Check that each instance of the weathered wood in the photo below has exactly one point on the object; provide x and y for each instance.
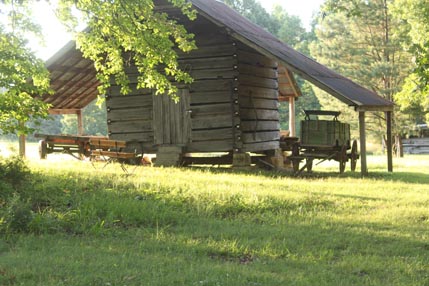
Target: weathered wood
(80, 126)
(211, 85)
(113, 154)
(253, 137)
(115, 91)
(250, 102)
(138, 137)
(98, 143)
(247, 126)
(389, 141)
(261, 147)
(256, 59)
(362, 134)
(292, 116)
(222, 73)
(215, 109)
(130, 126)
(140, 113)
(257, 92)
(129, 101)
(257, 71)
(210, 146)
(214, 121)
(213, 134)
(218, 50)
(259, 114)
(249, 80)
(210, 97)
(209, 62)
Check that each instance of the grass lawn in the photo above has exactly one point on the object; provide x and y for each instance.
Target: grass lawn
(205, 226)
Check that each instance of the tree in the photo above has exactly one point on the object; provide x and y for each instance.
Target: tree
(22, 75)
(361, 40)
(414, 96)
(120, 33)
(257, 14)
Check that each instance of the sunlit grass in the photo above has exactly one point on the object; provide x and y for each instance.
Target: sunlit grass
(218, 226)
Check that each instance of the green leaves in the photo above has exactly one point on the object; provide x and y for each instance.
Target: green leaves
(22, 75)
(123, 34)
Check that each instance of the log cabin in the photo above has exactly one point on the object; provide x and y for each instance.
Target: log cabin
(241, 72)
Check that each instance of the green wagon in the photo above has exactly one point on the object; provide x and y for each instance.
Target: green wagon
(324, 140)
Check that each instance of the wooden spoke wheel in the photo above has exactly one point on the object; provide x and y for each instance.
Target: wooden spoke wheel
(353, 156)
(342, 158)
(43, 149)
(309, 165)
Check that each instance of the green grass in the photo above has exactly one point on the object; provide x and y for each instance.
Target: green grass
(204, 226)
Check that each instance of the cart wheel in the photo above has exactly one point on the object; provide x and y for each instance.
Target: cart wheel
(43, 149)
(309, 164)
(343, 158)
(295, 165)
(353, 156)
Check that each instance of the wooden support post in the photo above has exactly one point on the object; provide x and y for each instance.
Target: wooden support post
(362, 131)
(22, 143)
(292, 116)
(389, 141)
(80, 127)
(22, 146)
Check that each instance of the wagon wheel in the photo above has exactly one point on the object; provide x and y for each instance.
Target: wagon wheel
(342, 158)
(353, 156)
(309, 164)
(43, 149)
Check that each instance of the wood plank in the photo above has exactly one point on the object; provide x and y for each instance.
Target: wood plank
(255, 59)
(210, 97)
(259, 103)
(140, 113)
(115, 90)
(257, 92)
(157, 119)
(211, 109)
(129, 101)
(213, 134)
(222, 73)
(247, 126)
(140, 136)
(106, 143)
(208, 63)
(257, 71)
(212, 85)
(259, 114)
(215, 121)
(210, 146)
(251, 137)
(130, 126)
(248, 80)
(262, 146)
(218, 50)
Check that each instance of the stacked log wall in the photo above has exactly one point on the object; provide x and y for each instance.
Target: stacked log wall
(214, 70)
(258, 101)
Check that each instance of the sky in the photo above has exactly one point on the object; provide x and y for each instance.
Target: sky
(56, 36)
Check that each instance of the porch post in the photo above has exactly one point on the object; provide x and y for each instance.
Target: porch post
(292, 114)
(389, 141)
(80, 127)
(22, 143)
(362, 127)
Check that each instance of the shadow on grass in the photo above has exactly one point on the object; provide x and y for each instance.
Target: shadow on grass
(109, 232)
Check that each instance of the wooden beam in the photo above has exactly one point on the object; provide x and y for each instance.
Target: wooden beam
(362, 127)
(22, 143)
(80, 126)
(374, 108)
(389, 141)
(63, 111)
(292, 116)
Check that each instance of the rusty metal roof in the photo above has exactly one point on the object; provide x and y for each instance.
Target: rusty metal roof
(74, 78)
(245, 31)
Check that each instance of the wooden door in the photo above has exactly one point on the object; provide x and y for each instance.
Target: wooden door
(171, 120)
